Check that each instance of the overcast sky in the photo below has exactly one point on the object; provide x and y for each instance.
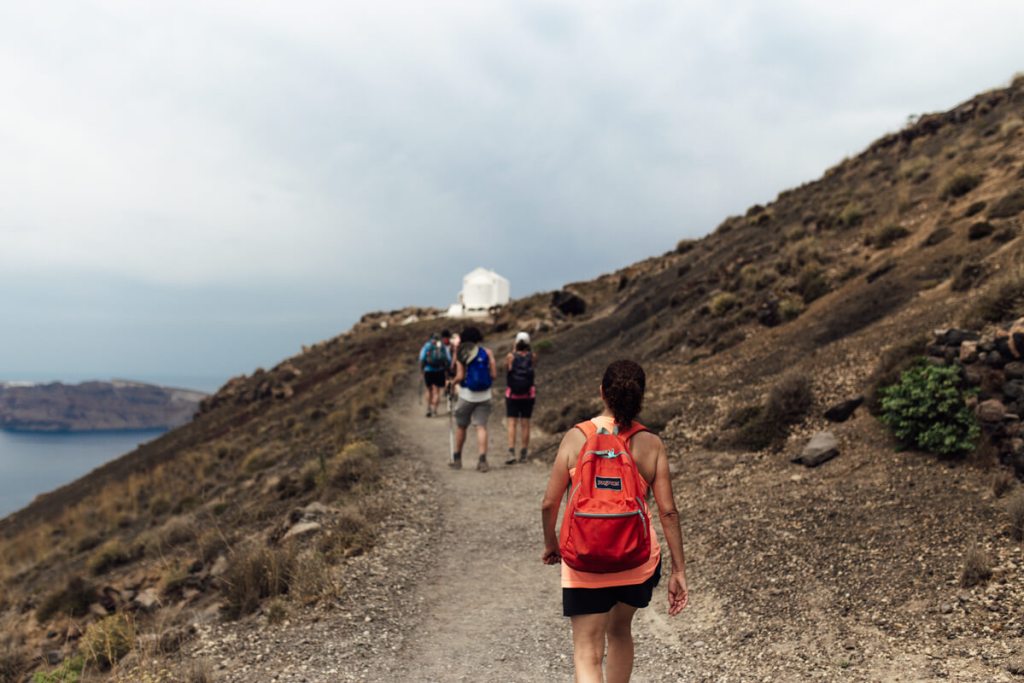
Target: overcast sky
(192, 189)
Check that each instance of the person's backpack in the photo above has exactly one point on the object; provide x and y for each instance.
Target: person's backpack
(606, 524)
(478, 372)
(520, 377)
(436, 358)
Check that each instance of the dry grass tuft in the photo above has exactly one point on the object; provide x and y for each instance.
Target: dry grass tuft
(1002, 483)
(788, 403)
(111, 554)
(977, 568)
(256, 572)
(73, 600)
(14, 662)
(1015, 510)
(107, 641)
(358, 462)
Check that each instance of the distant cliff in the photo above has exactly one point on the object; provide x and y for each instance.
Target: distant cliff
(94, 406)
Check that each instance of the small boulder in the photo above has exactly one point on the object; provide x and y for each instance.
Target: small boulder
(955, 337)
(994, 359)
(991, 410)
(303, 529)
(969, 352)
(822, 447)
(568, 303)
(1014, 389)
(841, 412)
(147, 600)
(1014, 370)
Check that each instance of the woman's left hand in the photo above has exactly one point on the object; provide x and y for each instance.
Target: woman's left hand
(551, 555)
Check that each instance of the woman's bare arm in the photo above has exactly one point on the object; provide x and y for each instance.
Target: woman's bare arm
(558, 482)
(677, 591)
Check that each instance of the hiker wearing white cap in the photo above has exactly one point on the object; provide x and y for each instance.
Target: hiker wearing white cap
(520, 394)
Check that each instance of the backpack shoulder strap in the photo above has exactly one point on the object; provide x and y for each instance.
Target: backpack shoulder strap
(634, 429)
(588, 428)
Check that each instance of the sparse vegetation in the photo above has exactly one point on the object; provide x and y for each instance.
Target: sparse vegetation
(1010, 205)
(926, 410)
(788, 403)
(722, 303)
(357, 462)
(851, 216)
(974, 209)
(811, 284)
(977, 568)
(969, 275)
(107, 641)
(684, 246)
(13, 662)
(938, 236)
(1002, 483)
(70, 671)
(980, 230)
(255, 572)
(111, 554)
(73, 600)
(790, 308)
(960, 184)
(1001, 301)
(886, 237)
(1015, 511)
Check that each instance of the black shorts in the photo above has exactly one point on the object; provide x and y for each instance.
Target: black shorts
(577, 601)
(519, 407)
(434, 378)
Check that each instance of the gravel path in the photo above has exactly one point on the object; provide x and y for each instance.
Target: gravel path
(453, 591)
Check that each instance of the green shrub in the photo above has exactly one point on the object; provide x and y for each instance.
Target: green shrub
(722, 303)
(543, 346)
(926, 410)
(1010, 205)
(790, 308)
(960, 184)
(70, 671)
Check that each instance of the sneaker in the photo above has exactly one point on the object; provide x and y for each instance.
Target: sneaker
(455, 463)
(429, 413)
(482, 465)
(511, 459)
(522, 455)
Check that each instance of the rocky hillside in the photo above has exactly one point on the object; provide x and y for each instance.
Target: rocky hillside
(748, 336)
(95, 406)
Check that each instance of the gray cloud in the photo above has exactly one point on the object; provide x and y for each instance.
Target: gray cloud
(254, 175)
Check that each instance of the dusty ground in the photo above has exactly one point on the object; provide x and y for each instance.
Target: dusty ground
(843, 573)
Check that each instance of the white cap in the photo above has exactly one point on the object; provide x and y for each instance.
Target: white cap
(523, 337)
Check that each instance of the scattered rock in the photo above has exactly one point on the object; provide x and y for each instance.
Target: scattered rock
(841, 412)
(969, 352)
(303, 529)
(147, 600)
(568, 303)
(822, 447)
(991, 410)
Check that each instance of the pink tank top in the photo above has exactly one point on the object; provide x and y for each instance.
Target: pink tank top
(572, 578)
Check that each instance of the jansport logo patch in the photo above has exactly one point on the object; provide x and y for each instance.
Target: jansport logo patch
(610, 483)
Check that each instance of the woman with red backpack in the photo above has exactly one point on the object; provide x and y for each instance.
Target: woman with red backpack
(520, 394)
(609, 552)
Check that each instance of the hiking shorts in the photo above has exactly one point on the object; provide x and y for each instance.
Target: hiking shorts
(434, 378)
(577, 601)
(472, 411)
(519, 407)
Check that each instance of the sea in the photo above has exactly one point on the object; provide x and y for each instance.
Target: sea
(32, 463)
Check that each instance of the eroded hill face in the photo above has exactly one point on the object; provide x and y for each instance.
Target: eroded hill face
(883, 248)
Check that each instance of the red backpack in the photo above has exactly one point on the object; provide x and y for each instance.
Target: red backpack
(605, 527)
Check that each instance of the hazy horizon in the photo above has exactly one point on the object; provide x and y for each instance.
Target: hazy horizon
(199, 189)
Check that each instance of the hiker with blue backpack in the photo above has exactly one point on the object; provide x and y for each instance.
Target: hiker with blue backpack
(520, 395)
(475, 371)
(435, 359)
(610, 556)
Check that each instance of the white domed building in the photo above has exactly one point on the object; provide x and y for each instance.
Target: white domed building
(483, 291)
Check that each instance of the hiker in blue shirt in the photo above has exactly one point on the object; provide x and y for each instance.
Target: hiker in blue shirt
(435, 359)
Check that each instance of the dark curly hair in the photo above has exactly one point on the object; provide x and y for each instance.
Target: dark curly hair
(623, 386)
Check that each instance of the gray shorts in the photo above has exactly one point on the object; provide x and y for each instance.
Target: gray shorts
(467, 411)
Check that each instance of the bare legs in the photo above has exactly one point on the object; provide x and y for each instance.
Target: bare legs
(589, 634)
(481, 439)
(522, 424)
(433, 396)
